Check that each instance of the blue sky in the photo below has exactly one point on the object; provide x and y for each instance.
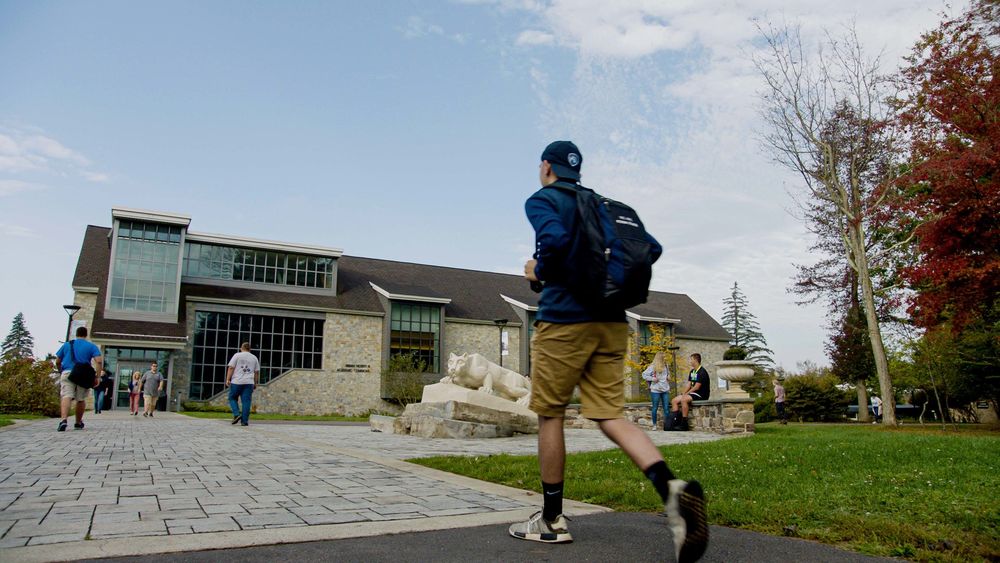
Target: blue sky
(404, 130)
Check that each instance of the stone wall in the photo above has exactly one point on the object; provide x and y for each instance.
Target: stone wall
(461, 338)
(88, 305)
(728, 416)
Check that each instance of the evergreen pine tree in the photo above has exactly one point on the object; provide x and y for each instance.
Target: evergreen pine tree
(19, 344)
(742, 324)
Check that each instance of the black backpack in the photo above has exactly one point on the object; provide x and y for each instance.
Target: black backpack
(83, 373)
(610, 262)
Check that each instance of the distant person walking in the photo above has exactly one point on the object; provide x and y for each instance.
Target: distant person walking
(102, 389)
(242, 376)
(659, 386)
(877, 409)
(70, 354)
(581, 342)
(151, 383)
(779, 400)
(134, 390)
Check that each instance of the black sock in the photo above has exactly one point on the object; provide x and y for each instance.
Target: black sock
(660, 475)
(553, 494)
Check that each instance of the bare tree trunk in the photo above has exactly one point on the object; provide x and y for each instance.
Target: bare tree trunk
(862, 401)
(856, 239)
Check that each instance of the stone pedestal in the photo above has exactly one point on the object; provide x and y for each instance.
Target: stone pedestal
(444, 392)
(735, 373)
(454, 419)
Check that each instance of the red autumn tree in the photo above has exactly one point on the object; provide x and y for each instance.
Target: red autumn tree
(953, 114)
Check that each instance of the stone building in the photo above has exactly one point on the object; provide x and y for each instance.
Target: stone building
(323, 324)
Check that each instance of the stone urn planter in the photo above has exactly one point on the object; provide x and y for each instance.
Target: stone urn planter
(735, 373)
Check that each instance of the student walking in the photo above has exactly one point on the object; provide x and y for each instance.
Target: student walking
(69, 354)
(582, 342)
(242, 376)
(779, 400)
(133, 393)
(659, 386)
(877, 409)
(102, 390)
(151, 383)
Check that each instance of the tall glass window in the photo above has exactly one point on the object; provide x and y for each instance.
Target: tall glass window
(415, 329)
(257, 266)
(144, 277)
(280, 343)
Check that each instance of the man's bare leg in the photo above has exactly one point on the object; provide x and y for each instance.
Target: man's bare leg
(81, 407)
(551, 449)
(685, 405)
(633, 441)
(64, 407)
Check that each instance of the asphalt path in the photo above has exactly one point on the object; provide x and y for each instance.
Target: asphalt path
(633, 537)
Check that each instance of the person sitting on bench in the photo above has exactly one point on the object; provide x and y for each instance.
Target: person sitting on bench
(699, 388)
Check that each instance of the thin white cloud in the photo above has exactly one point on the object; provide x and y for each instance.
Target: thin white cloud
(31, 152)
(97, 177)
(535, 37)
(416, 27)
(18, 231)
(11, 187)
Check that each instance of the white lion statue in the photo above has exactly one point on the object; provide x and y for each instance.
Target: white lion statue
(476, 372)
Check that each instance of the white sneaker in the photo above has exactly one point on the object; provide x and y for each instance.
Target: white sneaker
(540, 530)
(685, 510)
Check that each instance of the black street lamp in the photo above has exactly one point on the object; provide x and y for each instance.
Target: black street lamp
(500, 324)
(70, 310)
(673, 380)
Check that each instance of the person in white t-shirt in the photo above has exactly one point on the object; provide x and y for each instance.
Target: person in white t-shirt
(242, 376)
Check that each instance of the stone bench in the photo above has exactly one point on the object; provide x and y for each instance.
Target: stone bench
(722, 416)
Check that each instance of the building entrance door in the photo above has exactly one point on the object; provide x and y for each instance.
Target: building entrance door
(122, 377)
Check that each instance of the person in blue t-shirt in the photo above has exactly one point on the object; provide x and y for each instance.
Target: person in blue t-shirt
(71, 353)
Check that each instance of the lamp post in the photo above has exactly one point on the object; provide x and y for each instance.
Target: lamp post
(70, 310)
(500, 324)
(673, 380)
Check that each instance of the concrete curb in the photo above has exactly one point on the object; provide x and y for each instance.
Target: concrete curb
(123, 547)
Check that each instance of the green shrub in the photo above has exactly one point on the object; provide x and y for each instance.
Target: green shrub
(763, 407)
(815, 398)
(201, 406)
(735, 353)
(27, 386)
(403, 379)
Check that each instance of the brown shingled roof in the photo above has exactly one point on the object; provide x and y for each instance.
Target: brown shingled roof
(474, 294)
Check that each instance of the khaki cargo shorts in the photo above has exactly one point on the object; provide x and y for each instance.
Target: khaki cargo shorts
(591, 355)
(70, 390)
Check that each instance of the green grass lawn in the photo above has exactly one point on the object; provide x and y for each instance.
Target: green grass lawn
(267, 416)
(8, 419)
(917, 493)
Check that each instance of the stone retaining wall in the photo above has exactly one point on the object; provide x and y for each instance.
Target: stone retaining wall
(723, 416)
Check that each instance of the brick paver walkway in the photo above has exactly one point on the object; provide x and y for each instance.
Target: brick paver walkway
(126, 477)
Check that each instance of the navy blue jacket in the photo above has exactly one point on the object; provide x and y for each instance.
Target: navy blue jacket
(552, 213)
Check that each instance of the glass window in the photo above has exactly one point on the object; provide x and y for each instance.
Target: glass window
(415, 329)
(280, 343)
(257, 266)
(143, 260)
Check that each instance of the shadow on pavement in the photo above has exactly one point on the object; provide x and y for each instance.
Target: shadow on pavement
(600, 537)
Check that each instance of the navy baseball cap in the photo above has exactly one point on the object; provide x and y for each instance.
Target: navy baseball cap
(565, 159)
